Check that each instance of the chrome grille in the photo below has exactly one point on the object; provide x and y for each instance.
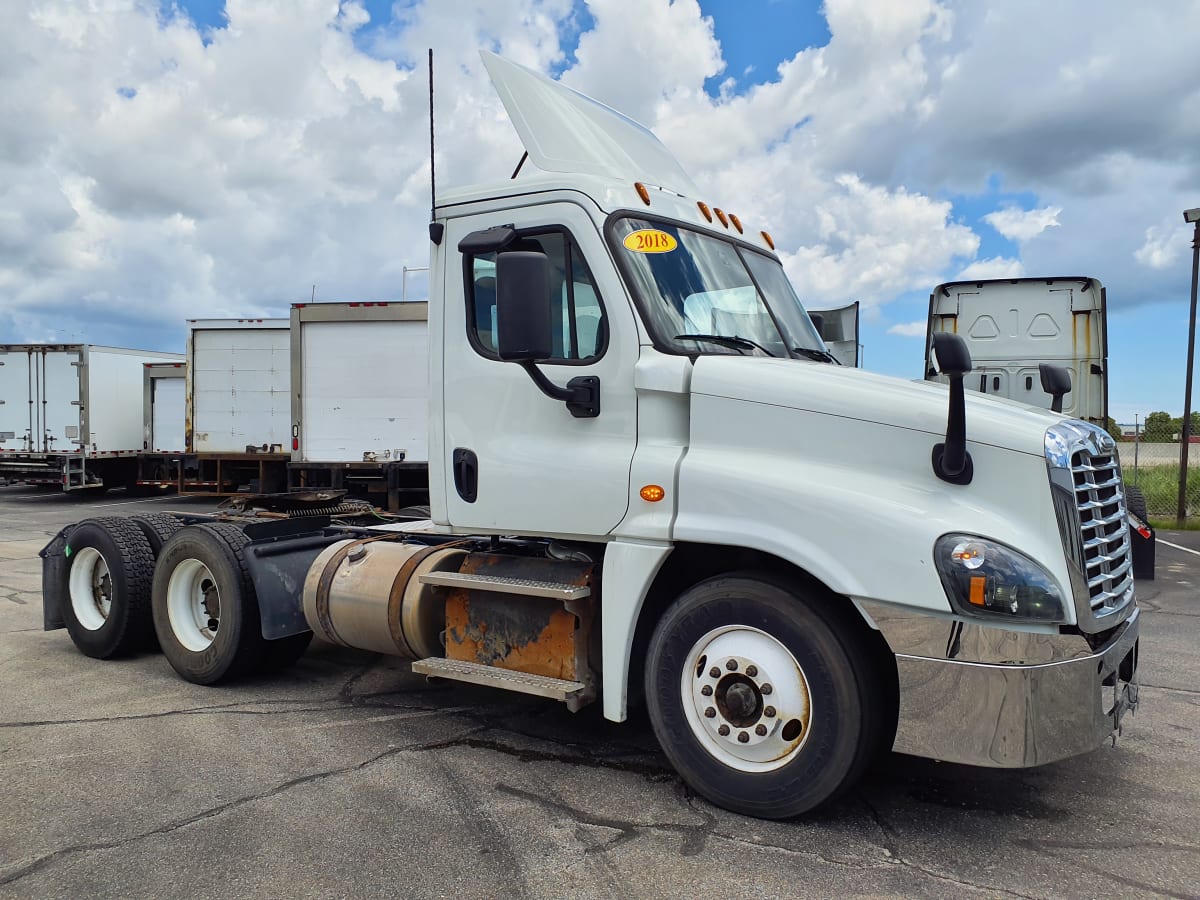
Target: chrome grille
(1104, 552)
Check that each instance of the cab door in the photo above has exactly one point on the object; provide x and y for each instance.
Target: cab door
(518, 461)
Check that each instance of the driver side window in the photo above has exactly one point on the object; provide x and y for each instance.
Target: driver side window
(581, 332)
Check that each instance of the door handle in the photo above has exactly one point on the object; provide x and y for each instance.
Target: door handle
(466, 473)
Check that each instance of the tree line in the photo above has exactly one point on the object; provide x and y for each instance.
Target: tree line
(1161, 427)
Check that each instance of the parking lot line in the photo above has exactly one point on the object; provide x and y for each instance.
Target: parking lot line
(1177, 547)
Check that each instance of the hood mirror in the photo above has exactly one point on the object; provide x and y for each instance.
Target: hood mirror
(1056, 381)
(951, 461)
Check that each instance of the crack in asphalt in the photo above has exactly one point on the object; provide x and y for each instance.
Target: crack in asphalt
(218, 709)
(891, 844)
(343, 699)
(1050, 848)
(652, 773)
(1164, 687)
(47, 859)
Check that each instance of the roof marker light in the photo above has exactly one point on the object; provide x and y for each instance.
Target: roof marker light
(721, 216)
(642, 192)
(737, 223)
(767, 238)
(704, 210)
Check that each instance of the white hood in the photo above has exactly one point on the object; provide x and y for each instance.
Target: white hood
(855, 394)
(567, 132)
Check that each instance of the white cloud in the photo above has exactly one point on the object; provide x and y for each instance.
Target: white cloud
(1165, 246)
(994, 267)
(1023, 224)
(154, 175)
(909, 329)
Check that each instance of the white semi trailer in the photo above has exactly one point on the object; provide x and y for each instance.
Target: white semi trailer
(69, 413)
(360, 400)
(237, 423)
(647, 477)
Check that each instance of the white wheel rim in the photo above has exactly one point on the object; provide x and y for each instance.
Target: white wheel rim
(193, 605)
(90, 588)
(754, 714)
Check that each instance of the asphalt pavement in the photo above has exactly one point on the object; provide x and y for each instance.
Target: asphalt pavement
(349, 776)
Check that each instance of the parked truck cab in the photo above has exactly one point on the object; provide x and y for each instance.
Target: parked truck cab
(649, 478)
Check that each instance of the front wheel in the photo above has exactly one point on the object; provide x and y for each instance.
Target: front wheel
(760, 697)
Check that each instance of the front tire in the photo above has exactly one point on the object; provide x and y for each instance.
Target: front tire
(761, 697)
(205, 608)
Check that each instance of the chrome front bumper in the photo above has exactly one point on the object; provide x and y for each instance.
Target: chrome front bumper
(1034, 698)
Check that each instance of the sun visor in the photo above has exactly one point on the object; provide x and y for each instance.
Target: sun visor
(568, 132)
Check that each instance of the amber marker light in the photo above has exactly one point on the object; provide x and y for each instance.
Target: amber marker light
(766, 237)
(704, 210)
(976, 596)
(642, 192)
(737, 223)
(652, 493)
(721, 216)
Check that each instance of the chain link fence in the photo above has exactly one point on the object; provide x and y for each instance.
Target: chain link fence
(1154, 470)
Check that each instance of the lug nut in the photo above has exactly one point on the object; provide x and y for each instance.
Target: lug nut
(714, 672)
(710, 713)
(743, 737)
(752, 671)
(769, 712)
(723, 731)
(706, 690)
(766, 689)
(760, 730)
(731, 665)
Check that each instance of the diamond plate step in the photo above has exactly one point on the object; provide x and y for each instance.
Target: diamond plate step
(502, 585)
(477, 673)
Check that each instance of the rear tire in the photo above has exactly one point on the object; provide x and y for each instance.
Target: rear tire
(762, 696)
(158, 528)
(205, 608)
(108, 587)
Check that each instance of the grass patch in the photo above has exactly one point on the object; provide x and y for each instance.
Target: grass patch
(1160, 485)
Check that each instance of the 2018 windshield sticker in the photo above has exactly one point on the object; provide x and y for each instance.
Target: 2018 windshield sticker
(650, 240)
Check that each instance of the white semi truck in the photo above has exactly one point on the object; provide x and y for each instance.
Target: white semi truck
(649, 479)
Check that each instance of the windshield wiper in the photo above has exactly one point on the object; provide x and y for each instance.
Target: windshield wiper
(731, 341)
(818, 355)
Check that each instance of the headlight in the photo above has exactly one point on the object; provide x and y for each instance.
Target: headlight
(988, 580)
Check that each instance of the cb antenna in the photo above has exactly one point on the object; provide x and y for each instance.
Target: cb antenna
(435, 229)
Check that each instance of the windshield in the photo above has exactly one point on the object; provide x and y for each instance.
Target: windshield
(702, 294)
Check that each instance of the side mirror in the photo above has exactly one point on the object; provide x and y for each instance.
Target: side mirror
(951, 461)
(951, 355)
(523, 327)
(1056, 381)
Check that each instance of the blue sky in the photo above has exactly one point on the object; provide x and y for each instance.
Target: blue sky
(209, 159)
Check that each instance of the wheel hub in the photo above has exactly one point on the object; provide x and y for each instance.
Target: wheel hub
(90, 588)
(739, 700)
(746, 698)
(193, 605)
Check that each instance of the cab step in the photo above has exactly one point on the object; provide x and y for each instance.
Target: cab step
(477, 673)
(501, 585)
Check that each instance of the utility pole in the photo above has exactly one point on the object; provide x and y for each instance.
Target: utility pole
(1192, 217)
